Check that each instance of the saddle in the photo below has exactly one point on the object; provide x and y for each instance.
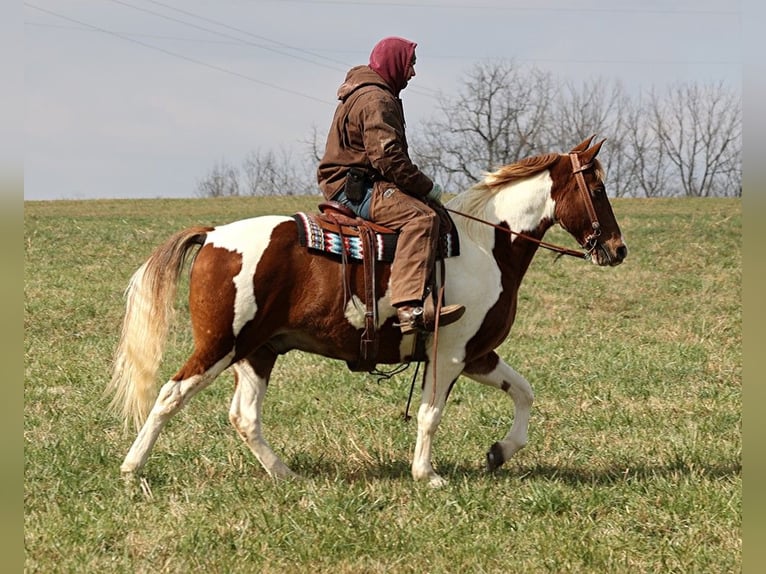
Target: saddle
(338, 232)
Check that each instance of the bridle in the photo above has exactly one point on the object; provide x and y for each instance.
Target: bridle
(591, 241)
(577, 169)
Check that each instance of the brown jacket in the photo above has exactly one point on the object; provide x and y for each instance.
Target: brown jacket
(367, 131)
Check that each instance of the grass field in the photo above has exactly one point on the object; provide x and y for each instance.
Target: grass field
(633, 463)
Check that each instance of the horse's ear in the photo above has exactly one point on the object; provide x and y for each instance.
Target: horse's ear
(588, 155)
(583, 145)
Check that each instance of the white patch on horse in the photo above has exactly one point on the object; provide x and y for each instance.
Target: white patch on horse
(249, 238)
(525, 204)
(355, 310)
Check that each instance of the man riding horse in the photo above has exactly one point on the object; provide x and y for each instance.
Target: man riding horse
(367, 168)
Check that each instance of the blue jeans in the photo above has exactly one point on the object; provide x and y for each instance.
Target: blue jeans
(362, 209)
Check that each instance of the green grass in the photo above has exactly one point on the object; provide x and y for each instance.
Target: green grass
(633, 463)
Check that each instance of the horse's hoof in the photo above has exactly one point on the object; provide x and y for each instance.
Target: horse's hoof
(437, 481)
(495, 457)
(129, 476)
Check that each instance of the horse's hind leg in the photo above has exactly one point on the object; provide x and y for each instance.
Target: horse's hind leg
(251, 377)
(172, 398)
(493, 371)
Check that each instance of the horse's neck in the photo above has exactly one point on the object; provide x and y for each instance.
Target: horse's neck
(525, 207)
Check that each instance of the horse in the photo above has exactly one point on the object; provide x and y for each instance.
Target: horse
(255, 294)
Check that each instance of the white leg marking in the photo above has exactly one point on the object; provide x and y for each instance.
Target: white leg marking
(506, 378)
(245, 416)
(429, 417)
(172, 398)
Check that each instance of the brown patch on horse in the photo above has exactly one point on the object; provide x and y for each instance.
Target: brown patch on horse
(483, 365)
(211, 306)
(300, 298)
(513, 259)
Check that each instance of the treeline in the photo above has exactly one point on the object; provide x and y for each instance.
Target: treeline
(685, 141)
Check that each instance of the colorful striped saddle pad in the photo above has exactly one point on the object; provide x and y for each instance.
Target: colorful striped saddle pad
(336, 236)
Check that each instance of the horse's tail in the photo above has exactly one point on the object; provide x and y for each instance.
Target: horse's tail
(149, 310)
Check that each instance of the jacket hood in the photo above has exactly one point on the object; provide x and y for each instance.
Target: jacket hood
(359, 76)
(391, 59)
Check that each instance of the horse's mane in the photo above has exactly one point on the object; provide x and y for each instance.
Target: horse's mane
(476, 198)
(527, 167)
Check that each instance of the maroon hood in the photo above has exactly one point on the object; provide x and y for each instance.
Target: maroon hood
(390, 58)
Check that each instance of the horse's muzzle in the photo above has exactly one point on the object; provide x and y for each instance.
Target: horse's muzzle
(610, 253)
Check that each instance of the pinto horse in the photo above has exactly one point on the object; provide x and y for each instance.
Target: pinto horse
(255, 293)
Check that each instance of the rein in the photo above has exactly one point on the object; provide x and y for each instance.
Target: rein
(550, 246)
(590, 241)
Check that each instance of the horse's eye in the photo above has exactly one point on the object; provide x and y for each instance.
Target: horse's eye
(598, 190)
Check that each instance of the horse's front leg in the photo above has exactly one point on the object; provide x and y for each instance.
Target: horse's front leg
(493, 371)
(432, 403)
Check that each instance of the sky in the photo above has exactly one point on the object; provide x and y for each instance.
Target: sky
(142, 98)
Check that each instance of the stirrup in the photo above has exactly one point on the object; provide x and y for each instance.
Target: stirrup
(413, 319)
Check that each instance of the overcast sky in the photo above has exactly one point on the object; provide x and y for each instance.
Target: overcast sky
(140, 98)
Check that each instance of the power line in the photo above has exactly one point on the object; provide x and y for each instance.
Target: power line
(236, 41)
(417, 89)
(422, 90)
(471, 6)
(177, 55)
(246, 32)
(204, 29)
(132, 34)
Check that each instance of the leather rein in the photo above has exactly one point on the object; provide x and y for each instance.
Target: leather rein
(591, 241)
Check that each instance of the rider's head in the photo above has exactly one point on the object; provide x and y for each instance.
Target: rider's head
(394, 60)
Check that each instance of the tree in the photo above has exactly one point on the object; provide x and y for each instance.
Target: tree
(646, 167)
(268, 173)
(685, 142)
(497, 118)
(580, 110)
(699, 129)
(221, 180)
(596, 106)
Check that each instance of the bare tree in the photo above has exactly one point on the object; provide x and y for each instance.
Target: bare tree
(222, 180)
(647, 172)
(315, 145)
(595, 106)
(269, 173)
(581, 110)
(699, 129)
(497, 118)
(688, 142)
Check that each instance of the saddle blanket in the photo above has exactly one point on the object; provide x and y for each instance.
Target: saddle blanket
(317, 237)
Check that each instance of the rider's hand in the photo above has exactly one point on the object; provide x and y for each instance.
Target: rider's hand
(436, 193)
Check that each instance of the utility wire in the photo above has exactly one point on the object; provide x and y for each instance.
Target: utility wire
(232, 42)
(246, 32)
(512, 8)
(180, 56)
(223, 34)
(422, 90)
(418, 89)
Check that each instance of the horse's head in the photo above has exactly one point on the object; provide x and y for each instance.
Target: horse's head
(582, 206)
